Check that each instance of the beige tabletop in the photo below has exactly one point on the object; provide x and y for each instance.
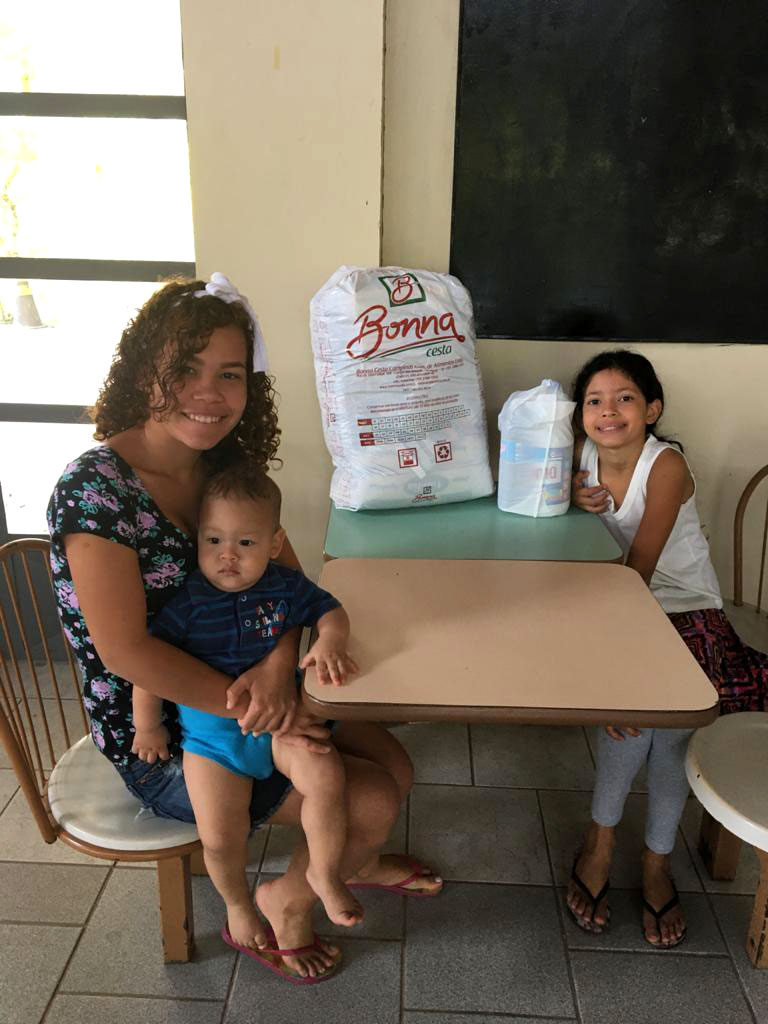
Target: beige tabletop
(530, 642)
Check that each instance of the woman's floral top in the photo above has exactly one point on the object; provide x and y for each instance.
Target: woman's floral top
(99, 493)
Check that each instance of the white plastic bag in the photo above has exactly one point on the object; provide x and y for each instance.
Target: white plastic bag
(399, 388)
(536, 451)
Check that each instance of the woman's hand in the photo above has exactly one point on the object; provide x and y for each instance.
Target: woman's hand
(590, 499)
(272, 693)
(307, 731)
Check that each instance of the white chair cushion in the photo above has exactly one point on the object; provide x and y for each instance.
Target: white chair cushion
(89, 800)
(727, 767)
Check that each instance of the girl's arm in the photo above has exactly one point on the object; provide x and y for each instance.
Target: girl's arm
(589, 499)
(669, 486)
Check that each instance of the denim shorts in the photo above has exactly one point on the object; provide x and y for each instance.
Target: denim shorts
(161, 789)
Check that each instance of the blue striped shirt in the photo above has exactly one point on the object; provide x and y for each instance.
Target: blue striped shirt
(231, 632)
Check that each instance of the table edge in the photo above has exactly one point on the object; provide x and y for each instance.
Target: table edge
(344, 711)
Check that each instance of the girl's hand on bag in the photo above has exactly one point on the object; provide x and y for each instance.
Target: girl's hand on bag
(590, 499)
(618, 734)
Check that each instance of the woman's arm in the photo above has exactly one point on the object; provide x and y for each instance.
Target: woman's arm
(669, 485)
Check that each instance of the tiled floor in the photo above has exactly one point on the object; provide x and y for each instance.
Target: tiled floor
(498, 810)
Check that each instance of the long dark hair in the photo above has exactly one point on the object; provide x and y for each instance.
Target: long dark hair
(634, 366)
(175, 313)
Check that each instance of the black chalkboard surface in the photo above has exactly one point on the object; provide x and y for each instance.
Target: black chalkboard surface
(611, 168)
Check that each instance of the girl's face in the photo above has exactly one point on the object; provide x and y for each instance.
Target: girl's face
(211, 396)
(614, 413)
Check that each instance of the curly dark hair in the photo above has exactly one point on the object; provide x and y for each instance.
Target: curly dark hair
(241, 480)
(174, 314)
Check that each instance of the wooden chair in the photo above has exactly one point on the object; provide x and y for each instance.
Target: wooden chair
(74, 794)
(719, 848)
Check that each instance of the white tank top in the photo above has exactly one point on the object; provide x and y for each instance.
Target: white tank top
(684, 578)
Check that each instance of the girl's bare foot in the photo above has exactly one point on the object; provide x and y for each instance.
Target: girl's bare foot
(293, 930)
(340, 905)
(592, 867)
(661, 929)
(393, 869)
(245, 926)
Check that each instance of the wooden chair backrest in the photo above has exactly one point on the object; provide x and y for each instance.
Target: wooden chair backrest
(41, 707)
(738, 542)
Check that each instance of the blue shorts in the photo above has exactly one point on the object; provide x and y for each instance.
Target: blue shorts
(161, 788)
(220, 740)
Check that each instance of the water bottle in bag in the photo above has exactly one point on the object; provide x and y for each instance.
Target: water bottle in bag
(536, 451)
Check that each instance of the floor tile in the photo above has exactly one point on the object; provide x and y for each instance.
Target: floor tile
(126, 1010)
(650, 989)
(366, 989)
(128, 914)
(748, 871)
(474, 834)
(734, 913)
(531, 756)
(51, 893)
(20, 839)
(638, 786)
(439, 1017)
(505, 957)
(439, 751)
(625, 933)
(566, 816)
(8, 786)
(33, 958)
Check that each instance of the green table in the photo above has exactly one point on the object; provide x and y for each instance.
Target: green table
(468, 530)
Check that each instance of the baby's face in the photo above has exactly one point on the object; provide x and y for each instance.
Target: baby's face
(236, 539)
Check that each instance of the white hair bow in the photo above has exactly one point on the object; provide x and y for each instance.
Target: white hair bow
(222, 288)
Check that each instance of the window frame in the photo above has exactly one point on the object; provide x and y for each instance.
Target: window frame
(47, 104)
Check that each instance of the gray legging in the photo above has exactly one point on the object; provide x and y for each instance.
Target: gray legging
(619, 761)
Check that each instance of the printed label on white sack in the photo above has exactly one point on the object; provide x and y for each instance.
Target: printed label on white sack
(399, 388)
(545, 468)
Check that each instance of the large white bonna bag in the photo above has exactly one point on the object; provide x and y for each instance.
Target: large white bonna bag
(399, 388)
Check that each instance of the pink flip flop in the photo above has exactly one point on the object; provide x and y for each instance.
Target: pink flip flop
(401, 888)
(282, 971)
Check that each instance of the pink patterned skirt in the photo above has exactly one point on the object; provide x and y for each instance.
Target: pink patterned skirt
(738, 672)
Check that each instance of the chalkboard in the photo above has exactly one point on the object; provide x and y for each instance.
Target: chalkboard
(611, 168)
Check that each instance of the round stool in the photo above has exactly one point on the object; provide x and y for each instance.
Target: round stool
(727, 767)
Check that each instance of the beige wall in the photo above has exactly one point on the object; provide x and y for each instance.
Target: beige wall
(284, 104)
(716, 394)
(285, 112)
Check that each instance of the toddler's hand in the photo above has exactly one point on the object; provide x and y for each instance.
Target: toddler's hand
(618, 734)
(331, 660)
(590, 499)
(150, 744)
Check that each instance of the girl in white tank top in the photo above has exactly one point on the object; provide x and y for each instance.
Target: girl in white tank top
(642, 488)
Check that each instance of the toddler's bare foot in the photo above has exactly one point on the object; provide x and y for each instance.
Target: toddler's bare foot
(293, 930)
(340, 905)
(245, 926)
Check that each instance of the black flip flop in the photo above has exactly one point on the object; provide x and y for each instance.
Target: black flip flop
(588, 926)
(658, 914)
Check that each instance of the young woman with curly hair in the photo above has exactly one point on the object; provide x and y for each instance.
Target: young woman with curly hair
(187, 392)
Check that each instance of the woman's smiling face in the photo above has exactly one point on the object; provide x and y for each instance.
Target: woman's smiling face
(210, 398)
